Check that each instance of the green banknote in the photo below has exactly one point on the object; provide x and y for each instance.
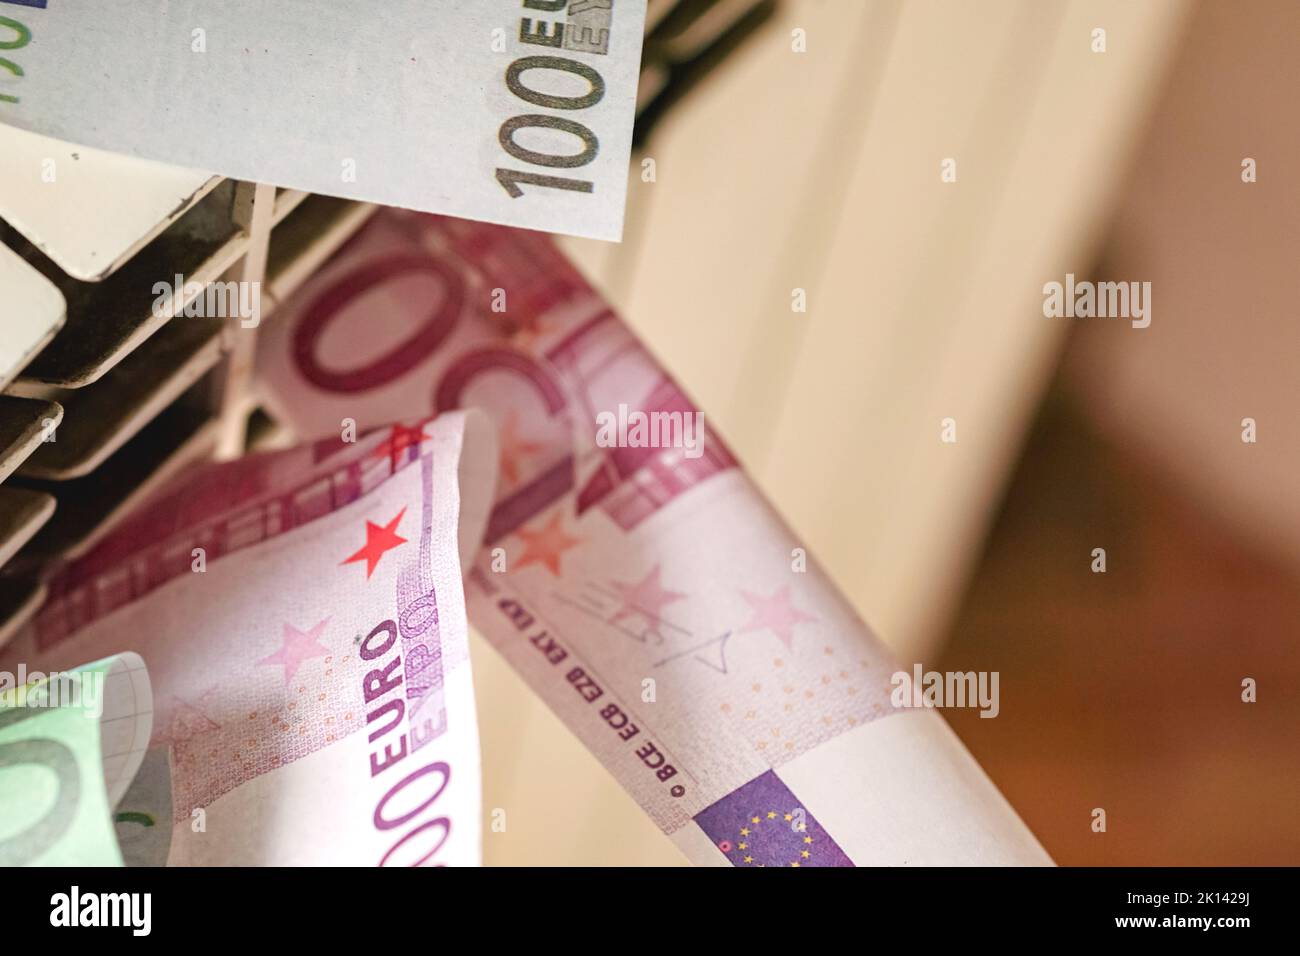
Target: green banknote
(70, 744)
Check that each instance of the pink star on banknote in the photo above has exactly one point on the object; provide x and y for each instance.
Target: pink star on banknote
(514, 447)
(378, 540)
(646, 597)
(179, 720)
(545, 545)
(298, 646)
(775, 614)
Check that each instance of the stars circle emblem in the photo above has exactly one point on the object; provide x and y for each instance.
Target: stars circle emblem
(768, 834)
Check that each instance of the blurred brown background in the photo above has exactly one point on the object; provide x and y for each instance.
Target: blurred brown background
(1123, 690)
(1127, 685)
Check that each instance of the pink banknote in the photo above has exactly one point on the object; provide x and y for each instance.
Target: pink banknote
(301, 616)
(630, 570)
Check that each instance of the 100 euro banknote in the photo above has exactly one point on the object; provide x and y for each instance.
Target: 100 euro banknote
(643, 587)
(302, 621)
(511, 111)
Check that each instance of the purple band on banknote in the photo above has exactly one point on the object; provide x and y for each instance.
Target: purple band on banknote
(763, 824)
(417, 619)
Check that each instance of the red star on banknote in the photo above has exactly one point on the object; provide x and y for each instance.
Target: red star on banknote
(297, 647)
(647, 597)
(775, 614)
(378, 540)
(399, 439)
(545, 545)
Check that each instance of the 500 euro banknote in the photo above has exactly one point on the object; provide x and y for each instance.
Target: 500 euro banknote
(301, 618)
(646, 591)
(510, 111)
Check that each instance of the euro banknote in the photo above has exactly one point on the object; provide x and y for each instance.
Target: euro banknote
(71, 743)
(631, 571)
(509, 111)
(302, 621)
